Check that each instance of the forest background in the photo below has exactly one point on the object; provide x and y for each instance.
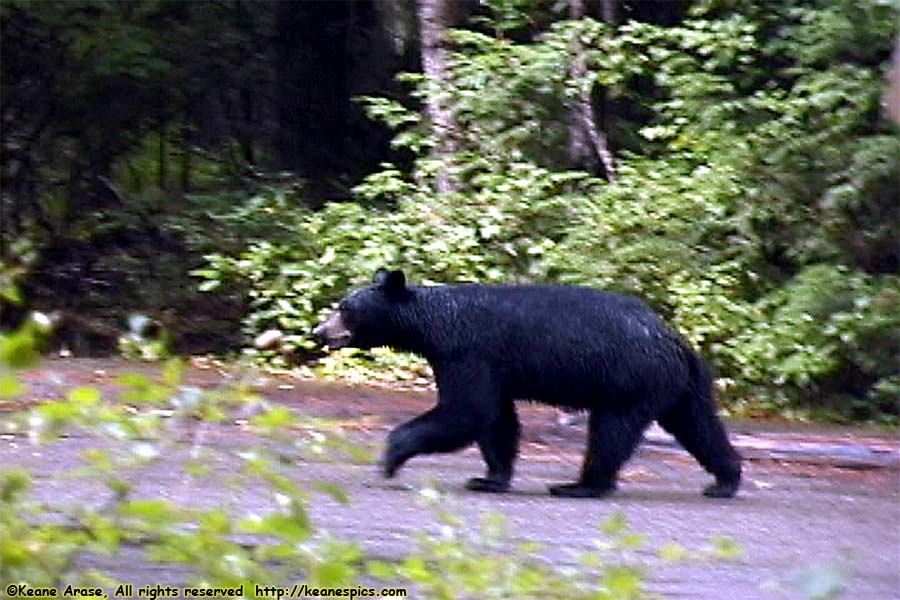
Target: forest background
(228, 168)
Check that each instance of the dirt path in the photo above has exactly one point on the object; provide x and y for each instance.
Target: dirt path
(814, 498)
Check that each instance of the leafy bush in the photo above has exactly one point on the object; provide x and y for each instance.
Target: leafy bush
(824, 341)
(41, 544)
(486, 563)
(759, 181)
(497, 233)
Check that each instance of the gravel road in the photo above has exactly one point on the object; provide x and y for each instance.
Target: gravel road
(815, 500)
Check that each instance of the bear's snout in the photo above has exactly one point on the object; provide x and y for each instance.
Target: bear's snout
(333, 332)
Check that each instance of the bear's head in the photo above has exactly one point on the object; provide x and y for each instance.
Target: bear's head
(367, 317)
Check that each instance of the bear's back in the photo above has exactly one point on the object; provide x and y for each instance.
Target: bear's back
(544, 339)
(553, 309)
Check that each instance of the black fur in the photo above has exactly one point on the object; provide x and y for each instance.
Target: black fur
(561, 345)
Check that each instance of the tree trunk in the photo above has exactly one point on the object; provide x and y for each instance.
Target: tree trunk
(312, 97)
(587, 141)
(326, 53)
(609, 11)
(435, 17)
(186, 159)
(892, 93)
(162, 157)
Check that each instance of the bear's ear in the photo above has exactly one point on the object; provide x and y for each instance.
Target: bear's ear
(392, 282)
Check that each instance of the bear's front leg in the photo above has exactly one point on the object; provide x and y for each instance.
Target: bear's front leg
(402, 444)
(437, 431)
(499, 447)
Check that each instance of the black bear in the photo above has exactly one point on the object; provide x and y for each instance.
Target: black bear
(563, 345)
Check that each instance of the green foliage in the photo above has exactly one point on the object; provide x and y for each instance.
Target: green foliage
(827, 339)
(760, 189)
(144, 340)
(658, 226)
(40, 554)
(755, 173)
(107, 109)
(497, 233)
(488, 563)
(40, 543)
(21, 348)
(524, 115)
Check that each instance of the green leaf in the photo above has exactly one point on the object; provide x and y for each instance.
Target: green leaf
(59, 413)
(13, 482)
(333, 574)
(13, 295)
(672, 552)
(278, 416)
(134, 380)
(381, 570)
(215, 521)
(335, 491)
(18, 349)
(209, 285)
(726, 548)
(631, 541)
(615, 525)
(416, 569)
(173, 371)
(11, 387)
(98, 458)
(84, 396)
(104, 531)
(141, 388)
(294, 527)
(155, 512)
(623, 583)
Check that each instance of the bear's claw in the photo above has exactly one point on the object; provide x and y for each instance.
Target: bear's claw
(486, 484)
(721, 489)
(579, 490)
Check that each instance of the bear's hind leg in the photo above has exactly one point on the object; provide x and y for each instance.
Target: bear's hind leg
(696, 426)
(499, 446)
(612, 439)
